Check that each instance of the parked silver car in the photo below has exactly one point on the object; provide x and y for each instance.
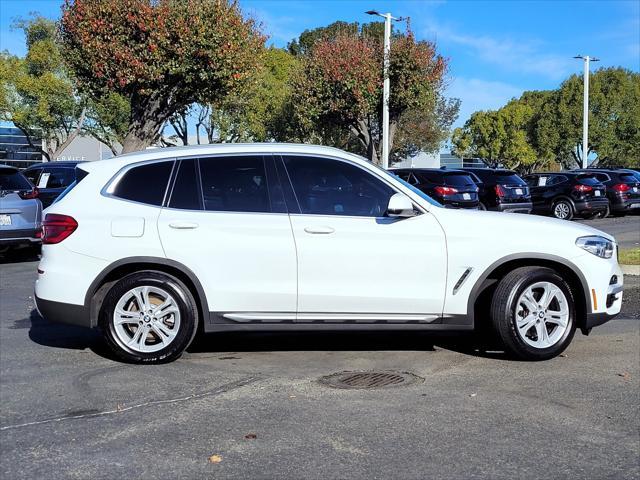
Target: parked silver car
(20, 210)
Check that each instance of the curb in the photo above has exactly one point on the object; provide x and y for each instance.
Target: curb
(631, 269)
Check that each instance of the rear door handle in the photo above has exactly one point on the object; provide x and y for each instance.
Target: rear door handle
(183, 225)
(323, 230)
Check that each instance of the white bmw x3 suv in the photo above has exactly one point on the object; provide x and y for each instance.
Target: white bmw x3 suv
(153, 246)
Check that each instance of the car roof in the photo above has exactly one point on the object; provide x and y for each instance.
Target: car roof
(216, 149)
(65, 163)
(482, 169)
(8, 167)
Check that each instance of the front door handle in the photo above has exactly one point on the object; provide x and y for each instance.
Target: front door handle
(183, 225)
(322, 230)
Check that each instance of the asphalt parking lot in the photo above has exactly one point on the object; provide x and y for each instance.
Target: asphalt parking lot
(251, 406)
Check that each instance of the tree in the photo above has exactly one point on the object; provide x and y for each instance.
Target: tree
(107, 120)
(160, 55)
(499, 138)
(256, 112)
(549, 124)
(337, 97)
(37, 95)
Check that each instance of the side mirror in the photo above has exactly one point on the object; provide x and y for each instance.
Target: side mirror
(400, 206)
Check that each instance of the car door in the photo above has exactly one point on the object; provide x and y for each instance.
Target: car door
(537, 197)
(226, 220)
(355, 263)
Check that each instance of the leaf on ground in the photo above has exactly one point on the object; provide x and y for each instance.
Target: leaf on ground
(473, 394)
(215, 458)
(251, 436)
(625, 375)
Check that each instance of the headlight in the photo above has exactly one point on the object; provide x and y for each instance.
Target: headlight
(599, 246)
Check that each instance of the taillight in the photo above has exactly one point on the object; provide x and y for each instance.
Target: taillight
(582, 188)
(29, 194)
(621, 187)
(442, 191)
(499, 190)
(56, 228)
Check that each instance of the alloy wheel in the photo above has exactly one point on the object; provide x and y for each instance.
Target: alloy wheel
(542, 315)
(562, 210)
(146, 319)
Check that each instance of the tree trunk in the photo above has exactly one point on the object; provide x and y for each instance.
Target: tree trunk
(148, 115)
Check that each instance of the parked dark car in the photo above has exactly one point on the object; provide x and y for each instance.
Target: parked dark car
(452, 188)
(20, 210)
(568, 194)
(51, 178)
(501, 190)
(623, 189)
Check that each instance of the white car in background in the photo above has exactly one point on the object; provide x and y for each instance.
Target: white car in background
(153, 246)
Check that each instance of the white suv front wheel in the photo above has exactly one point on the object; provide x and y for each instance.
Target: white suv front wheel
(533, 312)
(149, 317)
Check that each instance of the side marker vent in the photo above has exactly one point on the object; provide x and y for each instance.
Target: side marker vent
(462, 279)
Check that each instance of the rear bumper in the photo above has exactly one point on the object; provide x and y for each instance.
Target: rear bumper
(599, 205)
(19, 236)
(522, 207)
(67, 313)
(626, 205)
(469, 205)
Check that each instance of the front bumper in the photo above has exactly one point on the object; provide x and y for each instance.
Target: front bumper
(66, 313)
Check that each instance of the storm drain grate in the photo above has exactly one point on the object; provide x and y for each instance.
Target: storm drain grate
(365, 380)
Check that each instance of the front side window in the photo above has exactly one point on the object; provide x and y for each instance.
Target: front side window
(331, 187)
(145, 183)
(234, 184)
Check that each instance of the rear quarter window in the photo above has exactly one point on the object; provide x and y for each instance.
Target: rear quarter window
(145, 183)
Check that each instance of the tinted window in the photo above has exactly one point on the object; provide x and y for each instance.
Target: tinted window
(429, 177)
(556, 179)
(58, 178)
(331, 187)
(601, 176)
(627, 178)
(531, 180)
(186, 189)
(12, 180)
(458, 179)
(508, 178)
(79, 175)
(234, 184)
(145, 184)
(32, 175)
(587, 180)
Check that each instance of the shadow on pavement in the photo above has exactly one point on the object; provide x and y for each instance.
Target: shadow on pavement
(19, 255)
(58, 335)
(62, 336)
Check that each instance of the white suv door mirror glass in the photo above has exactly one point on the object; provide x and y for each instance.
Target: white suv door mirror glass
(400, 206)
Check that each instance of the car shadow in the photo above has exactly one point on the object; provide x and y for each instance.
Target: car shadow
(58, 335)
(20, 255)
(62, 336)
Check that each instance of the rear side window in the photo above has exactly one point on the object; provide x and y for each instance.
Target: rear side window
(12, 180)
(234, 184)
(458, 180)
(508, 178)
(186, 189)
(429, 177)
(556, 180)
(587, 180)
(56, 178)
(145, 183)
(33, 175)
(627, 178)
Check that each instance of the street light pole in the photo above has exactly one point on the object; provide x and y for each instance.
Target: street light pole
(386, 88)
(386, 92)
(585, 109)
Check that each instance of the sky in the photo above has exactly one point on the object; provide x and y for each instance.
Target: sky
(496, 49)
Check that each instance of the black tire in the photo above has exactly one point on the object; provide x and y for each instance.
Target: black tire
(504, 306)
(186, 306)
(603, 213)
(562, 209)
